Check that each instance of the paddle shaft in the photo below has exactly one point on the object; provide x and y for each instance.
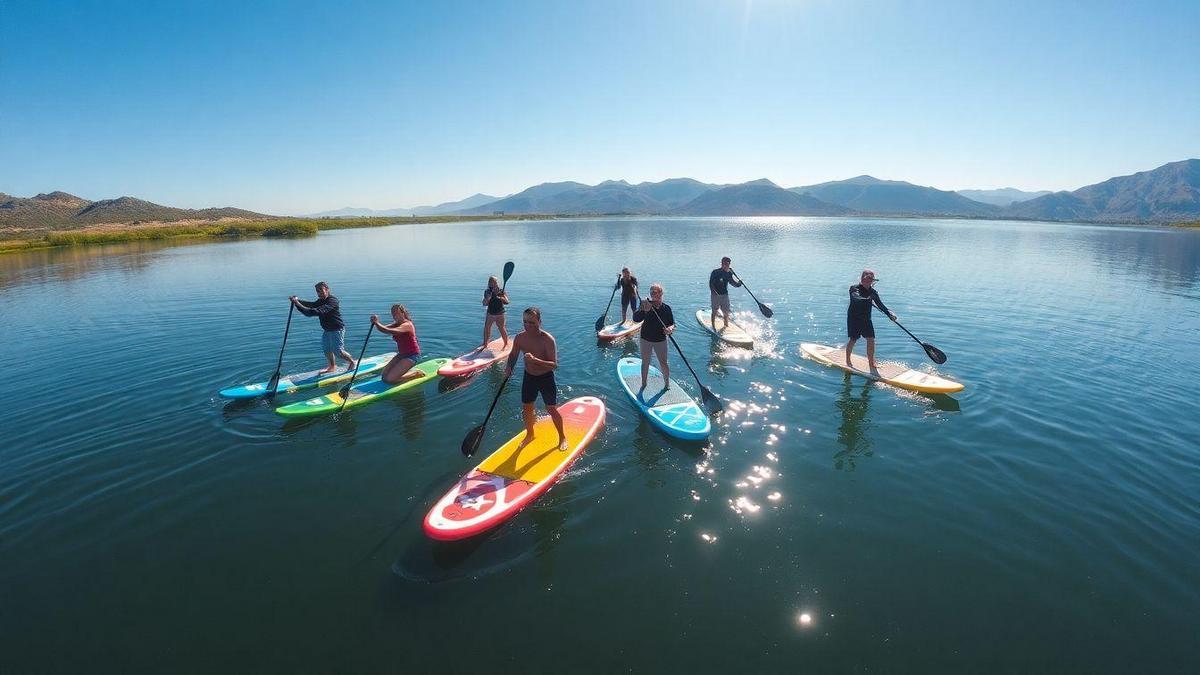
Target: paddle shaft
(345, 392)
(279, 364)
(761, 307)
(935, 354)
(600, 321)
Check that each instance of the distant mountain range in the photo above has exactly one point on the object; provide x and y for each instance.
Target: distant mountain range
(1170, 193)
(439, 210)
(1002, 196)
(59, 210)
(865, 194)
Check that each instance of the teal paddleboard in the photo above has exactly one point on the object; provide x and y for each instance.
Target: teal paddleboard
(671, 409)
(308, 380)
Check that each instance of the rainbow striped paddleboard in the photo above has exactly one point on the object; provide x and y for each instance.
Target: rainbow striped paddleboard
(895, 374)
(363, 393)
(309, 380)
(671, 410)
(512, 477)
(477, 359)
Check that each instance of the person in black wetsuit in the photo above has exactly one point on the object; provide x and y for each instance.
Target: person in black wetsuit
(328, 312)
(858, 316)
(495, 298)
(718, 291)
(628, 285)
(659, 322)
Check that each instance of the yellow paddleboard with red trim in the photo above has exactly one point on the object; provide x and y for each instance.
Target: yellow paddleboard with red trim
(513, 476)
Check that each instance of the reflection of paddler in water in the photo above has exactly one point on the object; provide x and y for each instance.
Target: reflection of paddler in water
(412, 407)
(541, 358)
(858, 316)
(852, 430)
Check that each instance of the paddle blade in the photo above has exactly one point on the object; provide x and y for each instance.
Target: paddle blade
(600, 322)
(271, 385)
(936, 355)
(710, 399)
(472, 440)
(508, 269)
(766, 311)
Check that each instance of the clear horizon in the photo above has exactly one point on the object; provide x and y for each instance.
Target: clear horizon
(372, 105)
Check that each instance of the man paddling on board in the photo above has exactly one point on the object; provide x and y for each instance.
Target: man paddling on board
(718, 289)
(659, 322)
(858, 316)
(328, 312)
(628, 284)
(541, 358)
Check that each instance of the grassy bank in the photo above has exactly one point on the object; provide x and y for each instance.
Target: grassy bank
(224, 229)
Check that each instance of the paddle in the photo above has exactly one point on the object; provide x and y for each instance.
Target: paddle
(344, 392)
(273, 384)
(508, 270)
(936, 355)
(766, 311)
(471, 442)
(705, 393)
(604, 316)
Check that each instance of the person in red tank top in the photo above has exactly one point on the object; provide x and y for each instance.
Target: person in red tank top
(404, 333)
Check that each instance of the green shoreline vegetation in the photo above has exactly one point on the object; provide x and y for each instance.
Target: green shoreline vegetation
(223, 229)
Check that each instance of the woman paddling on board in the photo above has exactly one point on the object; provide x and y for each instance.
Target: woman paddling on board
(333, 336)
(404, 333)
(858, 316)
(541, 358)
(495, 298)
(659, 323)
(718, 290)
(628, 284)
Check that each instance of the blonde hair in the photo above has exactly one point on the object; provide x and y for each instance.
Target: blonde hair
(402, 310)
(493, 281)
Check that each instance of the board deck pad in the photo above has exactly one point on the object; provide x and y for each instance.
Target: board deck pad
(363, 392)
(513, 476)
(309, 379)
(477, 359)
(618, 330)
(672, 410)
(895, 374)
(731, 332)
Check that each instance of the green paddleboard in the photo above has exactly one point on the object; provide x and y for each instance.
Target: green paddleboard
(363, 392)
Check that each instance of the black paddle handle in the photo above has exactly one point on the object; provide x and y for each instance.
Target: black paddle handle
(279, 364)
(495, 399)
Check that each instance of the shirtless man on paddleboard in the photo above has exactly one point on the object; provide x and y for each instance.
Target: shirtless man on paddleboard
(858, 316)
(541, 358)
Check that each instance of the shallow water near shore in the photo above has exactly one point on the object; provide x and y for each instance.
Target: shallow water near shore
(1045, 519)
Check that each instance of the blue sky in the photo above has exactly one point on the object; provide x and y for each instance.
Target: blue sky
(295, 107)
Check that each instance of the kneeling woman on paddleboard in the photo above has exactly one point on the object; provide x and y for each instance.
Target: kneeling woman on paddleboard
(659, 323)
(495, 299)
(404, 333)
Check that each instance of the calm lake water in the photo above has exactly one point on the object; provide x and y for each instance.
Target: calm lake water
(1046, 519)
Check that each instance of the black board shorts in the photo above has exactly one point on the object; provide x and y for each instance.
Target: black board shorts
(856, 328)
(544, 384)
